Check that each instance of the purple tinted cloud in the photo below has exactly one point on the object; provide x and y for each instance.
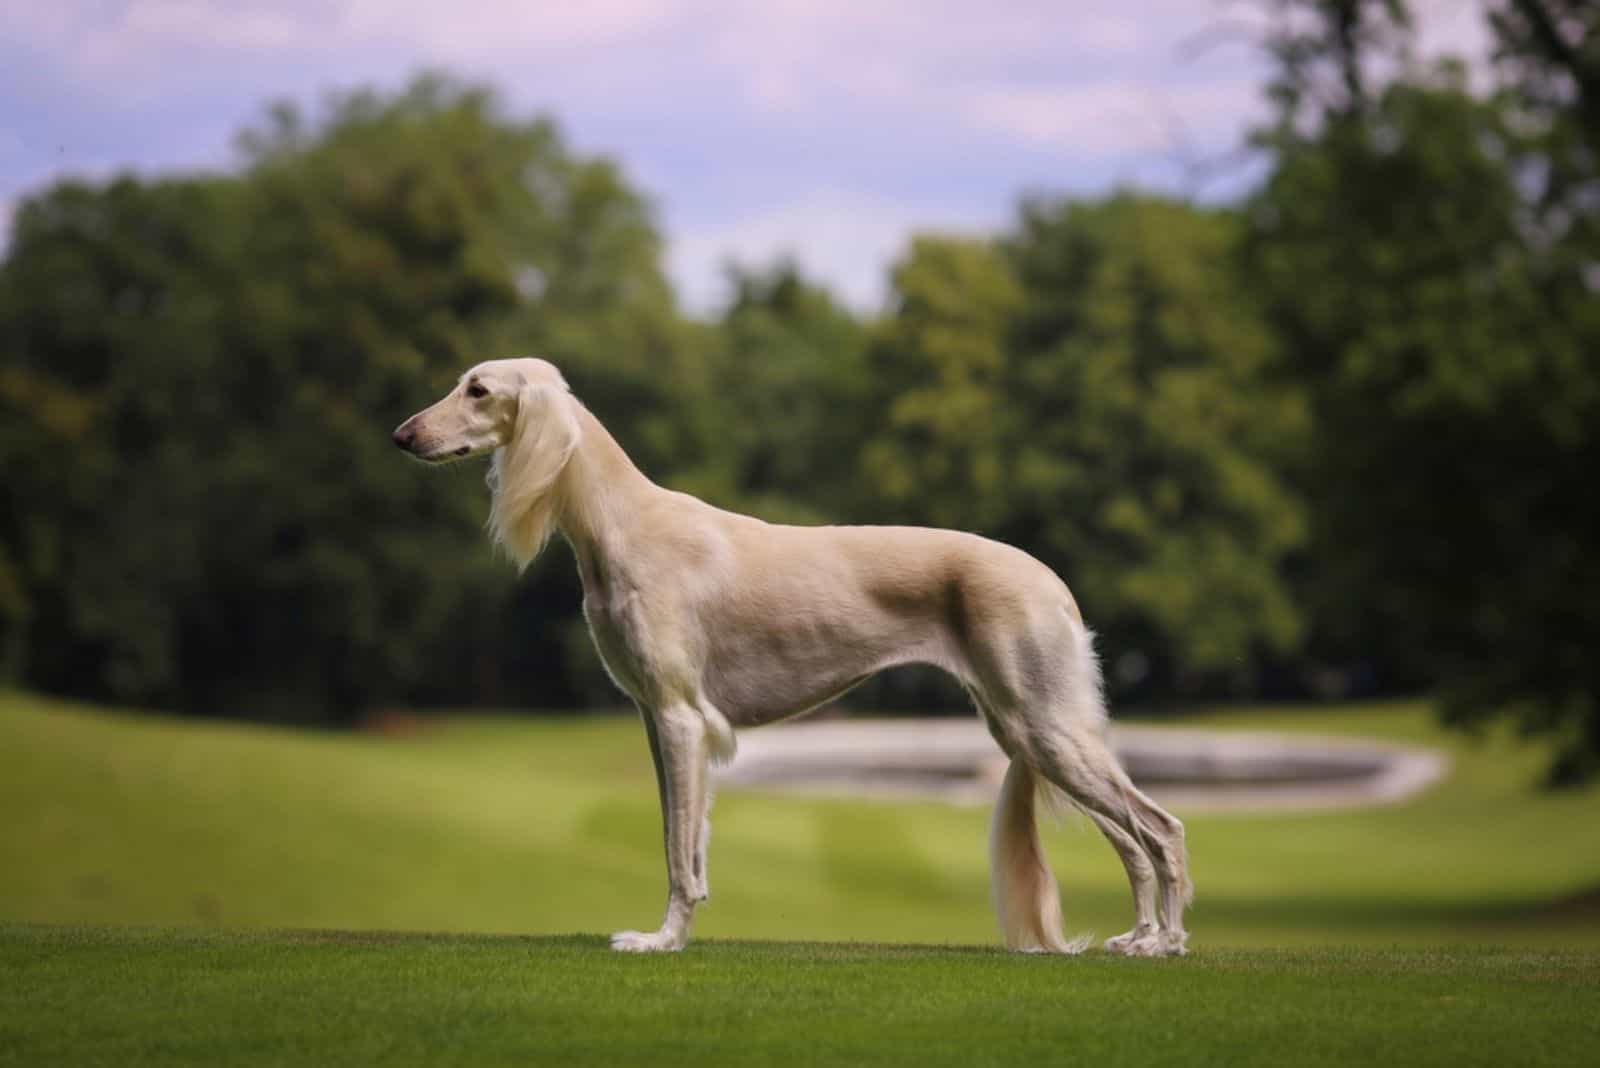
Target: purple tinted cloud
(828, 129)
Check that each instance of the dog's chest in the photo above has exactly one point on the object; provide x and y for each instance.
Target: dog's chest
(618, 619)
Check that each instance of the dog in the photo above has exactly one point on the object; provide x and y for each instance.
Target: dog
(713, 621)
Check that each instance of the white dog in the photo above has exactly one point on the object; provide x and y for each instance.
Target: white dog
(712, 621)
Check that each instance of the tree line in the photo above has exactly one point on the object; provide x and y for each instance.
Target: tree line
(1334, 437)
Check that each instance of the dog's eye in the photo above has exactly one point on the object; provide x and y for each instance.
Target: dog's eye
(475, 391)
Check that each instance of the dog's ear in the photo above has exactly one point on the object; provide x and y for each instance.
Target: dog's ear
(525, 470)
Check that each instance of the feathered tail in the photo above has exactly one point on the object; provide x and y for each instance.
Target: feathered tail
(1025, 894)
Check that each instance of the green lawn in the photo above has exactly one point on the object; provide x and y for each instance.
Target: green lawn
(550, 827)
(175, 892)
(74, 996)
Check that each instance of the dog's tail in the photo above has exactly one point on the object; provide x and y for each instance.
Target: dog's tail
(1025, 894)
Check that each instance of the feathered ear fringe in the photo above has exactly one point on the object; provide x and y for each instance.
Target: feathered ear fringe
(524, 472)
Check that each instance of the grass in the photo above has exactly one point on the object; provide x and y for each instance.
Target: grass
(133, 998)
(550, 827)
(241, 998)
(176, 892)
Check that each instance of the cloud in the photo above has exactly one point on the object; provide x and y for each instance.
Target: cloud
(1114, 117)
(1448, 27)
(243, 26)
(497, 27)
(844, 237)
(829, 128)
(466, 27)
(912, 57)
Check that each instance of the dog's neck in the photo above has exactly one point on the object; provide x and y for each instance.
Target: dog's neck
(601, 490)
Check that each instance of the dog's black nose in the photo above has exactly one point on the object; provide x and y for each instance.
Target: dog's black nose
(404, 436)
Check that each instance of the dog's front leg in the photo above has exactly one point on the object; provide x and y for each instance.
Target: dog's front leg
(680, 745)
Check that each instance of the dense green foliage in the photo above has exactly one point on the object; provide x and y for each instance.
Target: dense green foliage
(206, 368)
(204, 509)
(1095, 389)
(550, 826)
(1337, 437)
(77, 996)
(1428, 259)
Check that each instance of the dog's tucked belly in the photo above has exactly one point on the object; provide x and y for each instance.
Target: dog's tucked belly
(805, 625)
(767, 674)
(750, 702)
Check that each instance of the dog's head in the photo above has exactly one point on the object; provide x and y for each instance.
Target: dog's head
(487, 410)
(522, 412)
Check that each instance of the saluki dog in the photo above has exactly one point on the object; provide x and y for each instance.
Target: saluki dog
(712, 621)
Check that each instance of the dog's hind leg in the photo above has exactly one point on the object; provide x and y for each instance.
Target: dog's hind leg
(1059, 728)
(1144, 938)
(1081, 764)
(682, 747)
(1171, 856)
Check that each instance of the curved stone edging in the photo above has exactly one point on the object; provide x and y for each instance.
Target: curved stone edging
(1189, 768)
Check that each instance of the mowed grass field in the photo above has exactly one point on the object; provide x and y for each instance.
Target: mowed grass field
(551, 827)
(130, 998)
(211, 893)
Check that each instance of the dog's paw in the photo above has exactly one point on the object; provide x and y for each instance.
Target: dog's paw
(1174, 943)
(1139, 942)
(646, 942)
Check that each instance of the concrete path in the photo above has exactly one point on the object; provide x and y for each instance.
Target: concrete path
(955, 760)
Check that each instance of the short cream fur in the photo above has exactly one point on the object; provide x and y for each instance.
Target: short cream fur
(714, 622)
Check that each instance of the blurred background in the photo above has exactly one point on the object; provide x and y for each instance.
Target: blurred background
(1272, 325)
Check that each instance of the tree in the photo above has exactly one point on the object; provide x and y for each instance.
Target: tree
(499, 241)
(112, 304)
(1161, 441)
(1440, 314)
(786, 405)
(1095, 390)
(203, 373)
(940, 375)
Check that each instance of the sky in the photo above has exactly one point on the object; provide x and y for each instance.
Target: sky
(825, 130)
